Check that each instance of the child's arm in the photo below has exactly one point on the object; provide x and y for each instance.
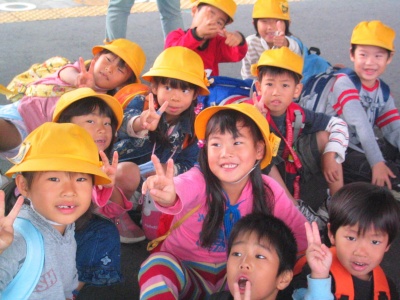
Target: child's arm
(161, 186)
(78, 79)
(6, 222)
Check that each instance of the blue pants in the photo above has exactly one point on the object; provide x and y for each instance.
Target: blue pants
(98, 255)
(119, 10)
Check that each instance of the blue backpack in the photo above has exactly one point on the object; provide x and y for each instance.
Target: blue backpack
(23, 284)
(313, 63)
(318, 87)
(226, 90)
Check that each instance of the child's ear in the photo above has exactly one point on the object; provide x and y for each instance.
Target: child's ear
(258, 86)
(260, 149)
(284, 279)
(194, 10)
(390, 58)
(22, 185)
(351, 55)
(297, 90)
(330, 235)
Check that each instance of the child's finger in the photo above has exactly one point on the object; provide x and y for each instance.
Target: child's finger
(236, 291)
(280, 27)
(15, 210)
(315, 231)
(157, 165)
(82, 65)
(2, 203)
(170, 168)
(309, 233)
(163, 108)
(151, 103)
(115, 159)
(104, 159)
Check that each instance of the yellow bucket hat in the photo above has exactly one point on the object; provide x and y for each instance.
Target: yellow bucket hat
(271, 140)
(78, 94)
(62, 147)
(227, 6)
(274, 9)
(281, 58)
(129, 51)
(180, 63)
(373, 33)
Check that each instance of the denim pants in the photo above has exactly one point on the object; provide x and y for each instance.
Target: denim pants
(119, 10)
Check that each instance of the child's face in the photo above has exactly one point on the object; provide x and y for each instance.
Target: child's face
(98, 126)
(230, 158)
(179, 100)
(108, 74)
(359, 254)
(268, 27)
(211, 18)
(61, 197)
(277, 92)
(369, 63)
(254, 260)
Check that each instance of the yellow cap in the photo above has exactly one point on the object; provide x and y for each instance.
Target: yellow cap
(373, 33)
(180, 63)
(227, 6)
(68, 98)
(274, 9)
(129, 51)
(62, 147)
(271, 140)
(126, 94)
(281, 58)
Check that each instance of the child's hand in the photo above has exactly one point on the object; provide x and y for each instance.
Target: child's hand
(259, 104)
(161, 186)
(319, 257)
(247, 291)
(233, 39)
(330, 168)
(6, 222)
(110, 170)
(280, 38)
(150, 118)
(381, 175)
(85, 78)
(207, 25)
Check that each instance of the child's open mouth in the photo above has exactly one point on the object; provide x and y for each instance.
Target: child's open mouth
(242, 283)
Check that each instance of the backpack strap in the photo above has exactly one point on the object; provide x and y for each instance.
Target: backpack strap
(298, 124)
(23, 284)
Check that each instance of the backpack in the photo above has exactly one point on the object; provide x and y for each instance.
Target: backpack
(319, 86)
(19, 85)
(226, 90)
(313, 63)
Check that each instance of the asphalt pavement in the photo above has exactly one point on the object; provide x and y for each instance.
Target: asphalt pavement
(38, 35)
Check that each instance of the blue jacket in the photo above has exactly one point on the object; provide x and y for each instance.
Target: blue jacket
(139, 150)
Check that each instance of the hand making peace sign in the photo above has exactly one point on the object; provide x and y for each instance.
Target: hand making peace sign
(6, 222)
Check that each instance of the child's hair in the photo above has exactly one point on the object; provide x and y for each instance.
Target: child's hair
(87, 106)
(225, 121)
(159, 136)
(353, 48)
(276, 71)
(271, 229)
(366, 205)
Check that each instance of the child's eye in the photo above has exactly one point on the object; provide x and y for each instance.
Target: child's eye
(186, 91)
(260, 256)
(350, 238)
(107, 123)
(167, 87)
(374, 242)
(54, 179)
(285, 85)
(81, 179)
(236, 254)
(268, 84)
(238, 143)
(214, 144)
(90, 121)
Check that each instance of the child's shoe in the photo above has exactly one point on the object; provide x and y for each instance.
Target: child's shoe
(129, 232)
(311, 215)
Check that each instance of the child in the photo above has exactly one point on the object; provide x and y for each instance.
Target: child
(227, 185)
(261, 257)
(363, 222)
(56, 168)
(372, 50)
(113, 66)
(177, 78)
(271, 20)
(208, 37)
(321, 140)
(97, 238)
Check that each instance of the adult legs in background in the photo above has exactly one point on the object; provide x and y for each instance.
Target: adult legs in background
(118, 12)
(170, 15)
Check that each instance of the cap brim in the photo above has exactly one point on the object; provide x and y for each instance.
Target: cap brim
(63, 165)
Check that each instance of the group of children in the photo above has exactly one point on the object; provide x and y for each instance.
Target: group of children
(225, 178)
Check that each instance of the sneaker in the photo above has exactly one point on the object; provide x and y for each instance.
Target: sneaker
(129, 232)
(311, 215)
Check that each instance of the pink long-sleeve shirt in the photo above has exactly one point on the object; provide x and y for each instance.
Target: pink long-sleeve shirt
(184, 241)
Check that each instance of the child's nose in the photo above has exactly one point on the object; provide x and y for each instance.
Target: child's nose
(244, 265)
